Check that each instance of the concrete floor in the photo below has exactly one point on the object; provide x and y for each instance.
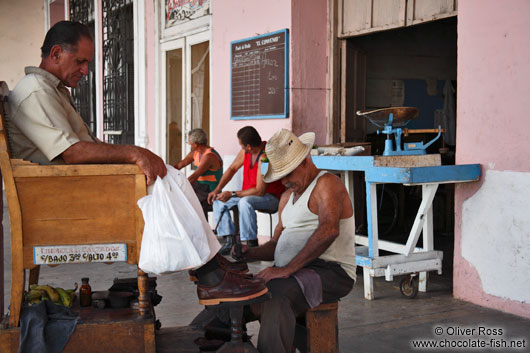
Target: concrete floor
(390, 323)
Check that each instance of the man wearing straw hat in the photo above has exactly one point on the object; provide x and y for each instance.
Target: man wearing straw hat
(313, 247)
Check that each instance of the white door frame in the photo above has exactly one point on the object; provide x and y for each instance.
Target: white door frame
(185, 44)
(161, 122)
(140, 77)
(190, 41)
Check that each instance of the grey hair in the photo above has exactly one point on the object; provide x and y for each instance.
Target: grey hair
(198, 136)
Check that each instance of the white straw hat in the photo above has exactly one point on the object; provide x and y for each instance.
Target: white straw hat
(285, 152)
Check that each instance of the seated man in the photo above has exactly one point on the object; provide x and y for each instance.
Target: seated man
(45, 128)
(255, 193)
(313, 247)
(208, 166)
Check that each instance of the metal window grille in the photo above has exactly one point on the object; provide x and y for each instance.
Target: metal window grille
(118, 71)
(84, 94)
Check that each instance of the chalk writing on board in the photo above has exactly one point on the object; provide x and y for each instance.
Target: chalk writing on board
(259, 76)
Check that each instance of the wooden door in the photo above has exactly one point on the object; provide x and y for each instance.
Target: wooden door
(365, 16)
(353, 93)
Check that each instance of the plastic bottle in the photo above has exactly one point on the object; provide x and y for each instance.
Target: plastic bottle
(85, 293)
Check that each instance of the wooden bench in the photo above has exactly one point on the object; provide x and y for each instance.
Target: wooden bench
(317, 331)
(52, 205)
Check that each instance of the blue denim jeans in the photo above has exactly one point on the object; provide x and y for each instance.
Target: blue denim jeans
(248, 223)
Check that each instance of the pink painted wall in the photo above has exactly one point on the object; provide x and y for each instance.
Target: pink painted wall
(493, 126)
(309, 58)
(20, 17)
(307, 24)
(494, 83)
(234, 20)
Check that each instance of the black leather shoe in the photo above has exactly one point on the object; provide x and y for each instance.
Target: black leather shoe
(227, 246)
(252, 243)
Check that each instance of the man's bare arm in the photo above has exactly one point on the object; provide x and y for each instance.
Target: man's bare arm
(187, 160)
(265, 252)
(227, 176)
(89, 152)
(328, 190)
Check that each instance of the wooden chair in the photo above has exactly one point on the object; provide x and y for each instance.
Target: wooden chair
(68, 205)
(318, 330)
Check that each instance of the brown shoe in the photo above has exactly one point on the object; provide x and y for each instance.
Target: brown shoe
(193, 276)
(238, 267)
(232, 288)
(250, 277)
(230, 266)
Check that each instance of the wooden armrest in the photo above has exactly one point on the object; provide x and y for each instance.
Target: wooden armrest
(16, 161)
(36, 170)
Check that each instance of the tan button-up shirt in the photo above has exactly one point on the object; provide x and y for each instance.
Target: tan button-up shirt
(43, 120)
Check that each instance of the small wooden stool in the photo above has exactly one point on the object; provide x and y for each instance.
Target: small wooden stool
(317, 330)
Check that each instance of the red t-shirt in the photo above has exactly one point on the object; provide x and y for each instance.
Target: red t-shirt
(250, 176)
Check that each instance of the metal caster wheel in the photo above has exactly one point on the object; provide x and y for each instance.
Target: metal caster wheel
(409, 286)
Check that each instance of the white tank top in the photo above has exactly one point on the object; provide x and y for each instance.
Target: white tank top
(300, 223)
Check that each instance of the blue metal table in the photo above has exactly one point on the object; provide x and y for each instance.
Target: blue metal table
(426, 171)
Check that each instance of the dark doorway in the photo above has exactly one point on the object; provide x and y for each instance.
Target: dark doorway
(410, 66)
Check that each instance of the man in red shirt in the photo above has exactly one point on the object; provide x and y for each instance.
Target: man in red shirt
(255, 193)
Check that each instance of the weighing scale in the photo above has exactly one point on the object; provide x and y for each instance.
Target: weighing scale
(391, 121)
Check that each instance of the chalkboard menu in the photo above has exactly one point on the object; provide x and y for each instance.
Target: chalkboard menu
(260, 76)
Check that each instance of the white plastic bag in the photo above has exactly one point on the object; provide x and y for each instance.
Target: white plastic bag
(173, 237)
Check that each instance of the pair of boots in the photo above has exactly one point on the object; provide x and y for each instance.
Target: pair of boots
(220, 280)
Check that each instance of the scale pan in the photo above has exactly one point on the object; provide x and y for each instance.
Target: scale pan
(379, 117)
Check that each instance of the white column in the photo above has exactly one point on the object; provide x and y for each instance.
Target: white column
(140, 80)
(46, 15)
(98, 41)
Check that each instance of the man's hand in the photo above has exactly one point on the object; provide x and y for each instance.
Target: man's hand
(272, 273)
(212, 196)
(151, 164)
(224, 196)
(244, 252)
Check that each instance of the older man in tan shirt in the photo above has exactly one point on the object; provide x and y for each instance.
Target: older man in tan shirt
(44, 125)
(45, 122)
